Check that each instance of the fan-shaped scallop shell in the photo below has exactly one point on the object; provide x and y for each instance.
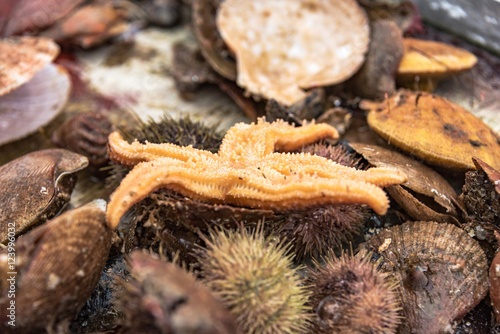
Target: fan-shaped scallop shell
(443, 273)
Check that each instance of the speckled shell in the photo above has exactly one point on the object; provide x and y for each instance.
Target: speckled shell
(442, 271)
(35, 187)
(434, 129)
(57, 264)
(21, 58)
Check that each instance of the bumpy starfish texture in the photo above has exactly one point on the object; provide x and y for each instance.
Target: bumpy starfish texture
(247, 171)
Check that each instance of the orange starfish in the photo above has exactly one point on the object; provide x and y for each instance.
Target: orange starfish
(247, 171)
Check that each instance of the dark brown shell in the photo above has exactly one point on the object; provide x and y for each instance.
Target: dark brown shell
(86, 134)
(377, 76)
(57, 265)
(455, 269)
(35, 187)
(481, 193)
(425, 195)
(163, 298)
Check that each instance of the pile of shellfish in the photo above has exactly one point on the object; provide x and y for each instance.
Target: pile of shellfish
(179, 263)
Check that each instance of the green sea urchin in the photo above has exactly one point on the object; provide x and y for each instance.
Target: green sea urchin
(254, 278)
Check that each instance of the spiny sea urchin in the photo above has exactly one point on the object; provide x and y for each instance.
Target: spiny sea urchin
(183, 131)
(349, 295)
(314, 232)
(252, 276)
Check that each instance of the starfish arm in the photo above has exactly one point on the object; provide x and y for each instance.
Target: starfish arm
(299, 165)
(308, 193)
(264, 138)
(288, 138)
(122, 152)
(149, 176)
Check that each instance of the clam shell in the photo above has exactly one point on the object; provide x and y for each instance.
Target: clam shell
(34, 104)
(35, 187)
(455, 269)
(58, 265)
(21, 58)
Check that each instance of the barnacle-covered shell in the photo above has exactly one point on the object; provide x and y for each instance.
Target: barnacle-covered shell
(425, 195)
(163, 298)
(481, 193)
(435, 130)
(57, 265)
(86, 134)
(442, 271)
(35, 187)
(21, 58)
(33, 105)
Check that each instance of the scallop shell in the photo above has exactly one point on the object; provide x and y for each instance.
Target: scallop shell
(455, 269)
(58, 265)
(35, 187)
(21, 58)
(33, 105)
(434, 129)
(33, 15)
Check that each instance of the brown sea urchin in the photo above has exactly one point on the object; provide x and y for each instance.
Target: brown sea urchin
(314, 231)
(349, 295)
(254, 278)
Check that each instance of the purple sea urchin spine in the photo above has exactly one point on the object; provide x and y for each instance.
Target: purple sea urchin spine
(349, 295)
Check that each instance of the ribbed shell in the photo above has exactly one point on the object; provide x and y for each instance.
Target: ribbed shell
(454, 264)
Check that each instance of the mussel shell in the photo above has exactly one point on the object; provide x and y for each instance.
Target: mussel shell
(35, 187)
(57, 264)
(452, 274)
